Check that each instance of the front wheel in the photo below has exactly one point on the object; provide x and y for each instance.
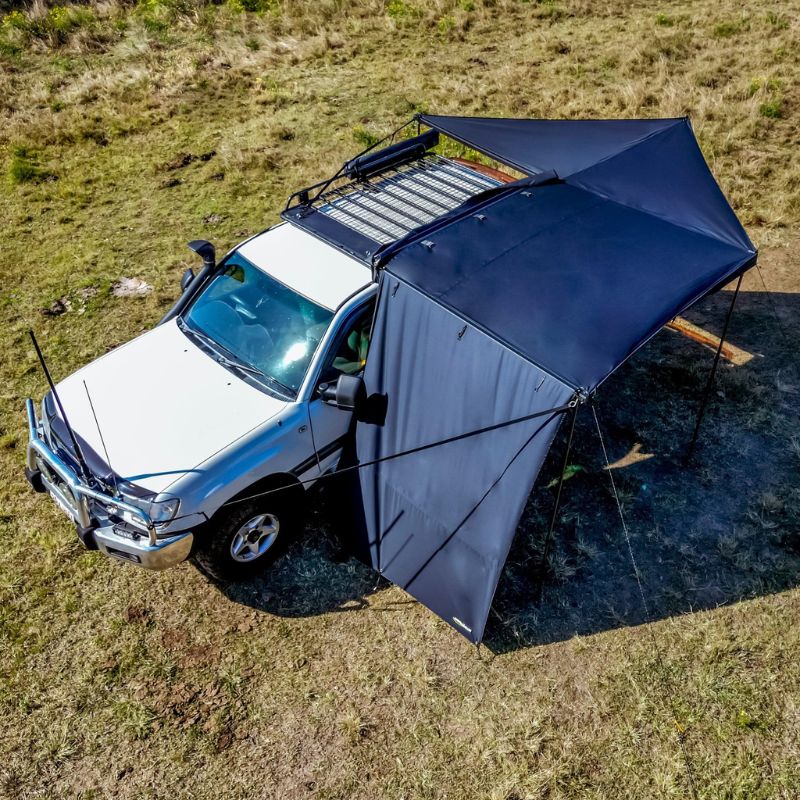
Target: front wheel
(246, 538)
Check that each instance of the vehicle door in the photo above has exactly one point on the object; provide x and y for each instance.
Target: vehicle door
(346, 355)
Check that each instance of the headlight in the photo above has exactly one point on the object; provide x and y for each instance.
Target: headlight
(164, 510)
(160, 511)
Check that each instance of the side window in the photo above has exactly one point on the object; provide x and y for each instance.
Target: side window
(350, 349)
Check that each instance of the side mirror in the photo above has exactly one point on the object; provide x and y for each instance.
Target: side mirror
(347, 393)
(205, 250)
(191, 281)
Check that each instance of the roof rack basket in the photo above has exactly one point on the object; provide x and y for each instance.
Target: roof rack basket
(376, 199)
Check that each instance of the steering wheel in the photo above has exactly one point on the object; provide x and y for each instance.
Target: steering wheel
(255, 341)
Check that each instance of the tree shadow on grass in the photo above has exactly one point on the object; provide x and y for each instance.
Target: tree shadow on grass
(722, 529)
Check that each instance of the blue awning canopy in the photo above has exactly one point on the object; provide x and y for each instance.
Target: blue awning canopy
(654, 166)
(625, 228)
(522, 299)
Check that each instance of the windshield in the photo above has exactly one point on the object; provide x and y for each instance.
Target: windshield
(260, 322)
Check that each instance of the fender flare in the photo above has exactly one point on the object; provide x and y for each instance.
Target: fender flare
(277, 480)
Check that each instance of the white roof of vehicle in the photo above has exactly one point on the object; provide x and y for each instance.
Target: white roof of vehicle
(306, 264)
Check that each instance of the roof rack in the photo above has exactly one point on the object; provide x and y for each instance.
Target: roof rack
(361, 216)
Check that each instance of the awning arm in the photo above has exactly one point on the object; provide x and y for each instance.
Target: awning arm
(303, 196)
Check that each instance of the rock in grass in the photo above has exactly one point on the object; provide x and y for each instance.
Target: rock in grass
(131, 287)
(57, 307)
(184, 159)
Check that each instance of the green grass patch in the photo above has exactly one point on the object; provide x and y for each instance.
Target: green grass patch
(779, 22)
(769, 85)
(772, 109)
(53, 27)
(446, 24)
(399, 10)
(135, 719)
(253, 6)
(731, 27)
(770, 90)
(364, 137)
(25, 168)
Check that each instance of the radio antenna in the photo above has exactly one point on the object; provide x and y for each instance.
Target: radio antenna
(78, 452)
(102, 440)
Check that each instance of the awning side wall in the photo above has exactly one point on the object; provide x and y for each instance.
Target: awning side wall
(440, 522)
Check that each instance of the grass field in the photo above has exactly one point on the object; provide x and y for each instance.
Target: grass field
(128, 129)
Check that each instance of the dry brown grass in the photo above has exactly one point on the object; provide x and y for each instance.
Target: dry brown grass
(117, 683)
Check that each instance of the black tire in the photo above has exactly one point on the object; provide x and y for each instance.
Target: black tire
(214, 553)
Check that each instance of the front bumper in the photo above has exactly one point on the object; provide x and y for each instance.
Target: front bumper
(97, 514)
(165, 553)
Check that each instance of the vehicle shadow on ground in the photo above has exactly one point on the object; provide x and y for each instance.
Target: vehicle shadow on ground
(318, 574)
(722, 529)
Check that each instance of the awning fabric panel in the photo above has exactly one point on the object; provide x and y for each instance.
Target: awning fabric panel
(537, 145)
(570, 280)
(653, 165)
(666, 175)
(440, 522)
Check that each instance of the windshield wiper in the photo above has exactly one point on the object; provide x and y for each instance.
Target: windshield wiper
(240, 365)
(235, 364)
(221, 357)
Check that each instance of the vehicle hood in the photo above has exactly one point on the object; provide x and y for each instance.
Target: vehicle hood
(163, 406)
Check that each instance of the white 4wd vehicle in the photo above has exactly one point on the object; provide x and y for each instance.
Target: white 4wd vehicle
(173, 442)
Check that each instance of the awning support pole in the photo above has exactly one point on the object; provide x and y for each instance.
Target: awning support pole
(710, 383)
(549, 538)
